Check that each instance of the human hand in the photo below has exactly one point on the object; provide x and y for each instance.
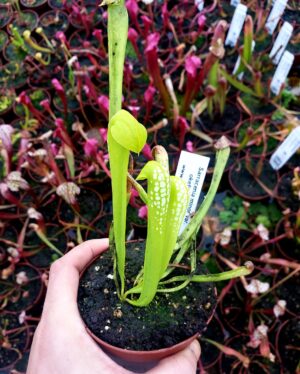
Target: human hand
(61, 344)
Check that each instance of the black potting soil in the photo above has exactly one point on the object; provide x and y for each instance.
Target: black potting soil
(289, 247)
(209, 353)
(290, 292)
(169, 319)
(17, 341)
(245, 184)
(288, 345)
(221, 124)
(25, 295)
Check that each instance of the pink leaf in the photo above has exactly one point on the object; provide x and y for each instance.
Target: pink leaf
(143, 212)
(91, 147)
(149, 94)
(192, 64)
(147, 152)
(152, 41)
(103, 133)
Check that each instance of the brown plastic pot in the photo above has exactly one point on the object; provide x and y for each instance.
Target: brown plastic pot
(131, 357)
(143, 356)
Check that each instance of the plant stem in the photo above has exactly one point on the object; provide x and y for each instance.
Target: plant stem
(117, 39)
(240, 271)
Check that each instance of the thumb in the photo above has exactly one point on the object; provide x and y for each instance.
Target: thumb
(182, 362)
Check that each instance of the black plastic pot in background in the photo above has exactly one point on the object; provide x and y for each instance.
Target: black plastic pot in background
(209, 353)
(5, 15)
(243, 245)
(38, 5)
(288, 343)
(60, 5)
(41, 255)
(3, 40)
(221, 125)
(7, 98)
(13, 75)
(36, 96)
(287, 199)
(24, 296)
(19, 341)
(54, 21)
(257, 363)
(87, 16)
(289, 245)
(25, 20)
(250, 187)
(257, 142)
(239, 310)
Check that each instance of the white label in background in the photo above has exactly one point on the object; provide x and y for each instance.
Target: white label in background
(236, 25)
(282, 71)
(192, 169)
(281, 42)
(286, 150)
(238, 61)
(235, 2)
(275, 15)
(199, 4)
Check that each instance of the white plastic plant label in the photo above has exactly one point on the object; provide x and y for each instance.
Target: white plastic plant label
(236, 25)
(238, 61)
(275, 15)
(282, 71)
(281, 42)
(235, 2)
(199, 4)
(192, 169)
(286, 150)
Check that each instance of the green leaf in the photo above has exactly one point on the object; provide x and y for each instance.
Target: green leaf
(213, 75)
(179, 197)
(263, 220)
(155, 255)
(237, 84)
(127, 131)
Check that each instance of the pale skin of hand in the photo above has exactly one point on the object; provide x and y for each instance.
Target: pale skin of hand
(61, 344)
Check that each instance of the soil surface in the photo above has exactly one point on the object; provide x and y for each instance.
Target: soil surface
(169, 319)
(289, 247)
(289, 342)
(245, 185)
(227, 122)
(23, 296)
(18, 340)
